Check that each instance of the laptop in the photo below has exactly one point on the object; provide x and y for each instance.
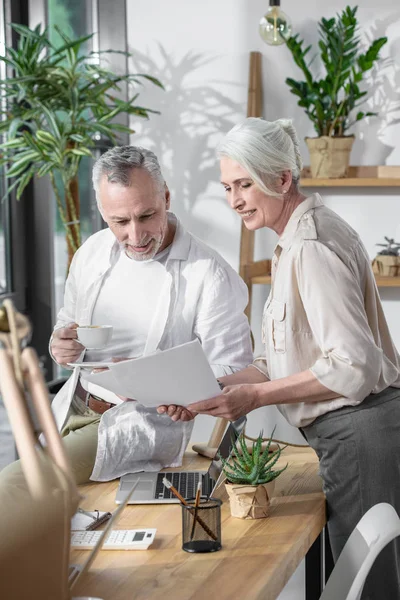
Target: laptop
(151, 490)
(76, 572)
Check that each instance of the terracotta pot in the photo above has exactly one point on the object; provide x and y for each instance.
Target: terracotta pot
(330, 156)
(386, 265)
(250, 501)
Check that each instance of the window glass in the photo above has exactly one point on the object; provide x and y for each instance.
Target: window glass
(74, 18)
(5, 249)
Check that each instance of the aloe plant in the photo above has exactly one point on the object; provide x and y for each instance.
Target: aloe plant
(252, 468)
(330, 100)
(59, 103)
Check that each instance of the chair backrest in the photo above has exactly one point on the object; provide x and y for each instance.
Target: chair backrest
(35, 523)
(379, 526)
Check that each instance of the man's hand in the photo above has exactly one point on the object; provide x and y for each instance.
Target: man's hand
(234, 402)
(177, 413)
(64, 345)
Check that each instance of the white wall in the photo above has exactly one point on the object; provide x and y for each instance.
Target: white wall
(200, 51)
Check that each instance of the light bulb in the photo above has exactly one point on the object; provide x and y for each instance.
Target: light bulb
(275, 25)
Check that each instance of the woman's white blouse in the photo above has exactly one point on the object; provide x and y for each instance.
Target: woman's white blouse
(324, 313)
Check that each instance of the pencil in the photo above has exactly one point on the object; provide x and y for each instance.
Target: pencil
(196, 508)
(200, 521)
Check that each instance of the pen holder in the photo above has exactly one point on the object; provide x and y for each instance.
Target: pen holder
(201, 526)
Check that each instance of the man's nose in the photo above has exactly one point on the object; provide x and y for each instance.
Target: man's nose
(135, 232)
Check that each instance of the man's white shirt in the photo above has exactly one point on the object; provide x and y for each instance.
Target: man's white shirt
(199, 296)
(137, 285)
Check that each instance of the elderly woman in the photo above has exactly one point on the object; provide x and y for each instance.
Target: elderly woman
(330, 364)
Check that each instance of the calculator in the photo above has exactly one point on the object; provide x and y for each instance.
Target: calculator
(118, 539)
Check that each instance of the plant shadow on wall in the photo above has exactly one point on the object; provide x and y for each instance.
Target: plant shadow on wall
(194, 115)
(384, 98)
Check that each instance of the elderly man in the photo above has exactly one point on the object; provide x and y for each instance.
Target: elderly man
(158, 287)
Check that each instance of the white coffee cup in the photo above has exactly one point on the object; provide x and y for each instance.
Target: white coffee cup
(94, 337)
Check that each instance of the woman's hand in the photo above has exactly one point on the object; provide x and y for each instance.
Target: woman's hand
(234, 402)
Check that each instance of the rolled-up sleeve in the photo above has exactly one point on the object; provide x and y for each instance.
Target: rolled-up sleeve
(67, 315)
(260, 363)
(221, 325)
(350, 361)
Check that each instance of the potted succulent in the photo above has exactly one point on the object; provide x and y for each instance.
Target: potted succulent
(387, 262)
(332, 102)
(250, 477)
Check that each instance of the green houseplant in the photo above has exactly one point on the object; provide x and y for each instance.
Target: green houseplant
(332, 102)
(60, 102)
(250, 477)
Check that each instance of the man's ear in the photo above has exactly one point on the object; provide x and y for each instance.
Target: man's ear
(167, 197)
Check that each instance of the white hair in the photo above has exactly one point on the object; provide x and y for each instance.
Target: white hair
(265, 149)
(117, 164)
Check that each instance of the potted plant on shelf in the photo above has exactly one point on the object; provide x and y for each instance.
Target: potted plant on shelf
(250, 477)
(387, 261)
(332, 102)
(59, 103)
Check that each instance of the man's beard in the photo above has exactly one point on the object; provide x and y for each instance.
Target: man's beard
(142, 256)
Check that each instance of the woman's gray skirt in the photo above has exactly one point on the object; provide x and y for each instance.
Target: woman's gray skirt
(359, 452)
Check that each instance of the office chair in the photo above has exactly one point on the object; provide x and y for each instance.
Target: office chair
(36, 517)
(379, 526)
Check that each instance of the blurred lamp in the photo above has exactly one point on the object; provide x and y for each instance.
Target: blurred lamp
(275, 25)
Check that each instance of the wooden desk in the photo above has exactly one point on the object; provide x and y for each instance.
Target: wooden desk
(257, 559)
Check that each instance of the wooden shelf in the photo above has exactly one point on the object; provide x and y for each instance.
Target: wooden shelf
(382, 176)
(381, 281)
(387, 281)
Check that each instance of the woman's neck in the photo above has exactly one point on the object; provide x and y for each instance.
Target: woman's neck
(291, 201)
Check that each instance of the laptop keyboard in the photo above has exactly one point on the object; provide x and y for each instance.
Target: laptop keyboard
(185, 483)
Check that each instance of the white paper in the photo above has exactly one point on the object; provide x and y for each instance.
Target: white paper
(180, 375)
(81, 520)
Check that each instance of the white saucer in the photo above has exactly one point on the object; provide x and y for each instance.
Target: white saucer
(91, 365)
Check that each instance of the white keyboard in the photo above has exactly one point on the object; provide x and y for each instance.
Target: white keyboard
(118, 539)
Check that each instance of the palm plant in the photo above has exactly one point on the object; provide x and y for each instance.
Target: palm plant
(329, 101)
(252, 468)
(59, 103)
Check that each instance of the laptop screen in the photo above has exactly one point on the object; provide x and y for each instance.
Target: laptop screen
(232, 433)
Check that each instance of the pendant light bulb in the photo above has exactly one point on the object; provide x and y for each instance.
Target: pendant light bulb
(275, 25)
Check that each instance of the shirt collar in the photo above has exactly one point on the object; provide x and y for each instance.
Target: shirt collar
(181, 242)
(308, 204)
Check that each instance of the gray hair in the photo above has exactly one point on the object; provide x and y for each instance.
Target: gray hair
(117, 164)
(265, 149)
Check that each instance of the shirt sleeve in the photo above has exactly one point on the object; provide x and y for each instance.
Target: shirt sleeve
(221, 325)
(260, 364)
(67, 313)
(350, 361)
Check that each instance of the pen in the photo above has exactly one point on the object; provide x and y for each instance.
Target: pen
(174, 491)
(196, 508)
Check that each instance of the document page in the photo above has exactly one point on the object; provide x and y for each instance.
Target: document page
(180, 375)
